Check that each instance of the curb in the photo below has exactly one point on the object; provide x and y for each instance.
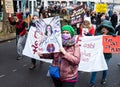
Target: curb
(4, 40)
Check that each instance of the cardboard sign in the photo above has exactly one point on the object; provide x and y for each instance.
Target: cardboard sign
(102, 8)
(77, 15)
(9, 6)
(111, 44)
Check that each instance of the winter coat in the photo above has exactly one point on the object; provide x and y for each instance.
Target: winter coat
(111, 29)
(91, 31)
(117, 29)
(69, 62)
(114, 20)
(20, 26)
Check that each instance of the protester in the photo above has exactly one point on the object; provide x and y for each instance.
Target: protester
(93, 17)
(67, 59)
(114, 19)
(32, 23)
(117, 30)
(86, 28)
(105, 28)
(28, 18)
(20, 32)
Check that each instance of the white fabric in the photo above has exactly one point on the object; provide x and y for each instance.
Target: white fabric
(92, 58)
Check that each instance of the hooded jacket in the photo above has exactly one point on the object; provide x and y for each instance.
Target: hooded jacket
(107, 24)
(20, 26)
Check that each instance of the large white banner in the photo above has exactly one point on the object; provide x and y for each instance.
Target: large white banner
(91, 49)
(92, 58)
(44, 38)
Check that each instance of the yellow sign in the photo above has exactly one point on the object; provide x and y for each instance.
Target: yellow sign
(102, 8)
(9, 6)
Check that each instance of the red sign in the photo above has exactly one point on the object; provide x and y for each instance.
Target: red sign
(111, 44)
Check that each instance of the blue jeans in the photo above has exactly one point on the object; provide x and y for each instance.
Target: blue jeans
(94, 74)
(20, 44)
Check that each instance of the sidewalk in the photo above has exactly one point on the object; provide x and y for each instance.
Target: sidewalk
(7, 37)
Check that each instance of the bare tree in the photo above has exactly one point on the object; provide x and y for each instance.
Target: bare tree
(6, 28)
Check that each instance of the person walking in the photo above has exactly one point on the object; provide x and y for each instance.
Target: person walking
(20, 25)
(114, 19)
(105, 28)
(117, 30)
(32, 24)
(67, 59)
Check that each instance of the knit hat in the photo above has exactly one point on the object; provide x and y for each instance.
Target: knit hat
(87, 19)
(106, 24)
(19, 15)
(36, 14)
(68, 28)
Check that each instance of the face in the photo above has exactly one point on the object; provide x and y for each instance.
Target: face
(104, 31)
(35, 17)
(65, 32)
(66, 35)
(49, 31)
(16, 19)
(86, 22)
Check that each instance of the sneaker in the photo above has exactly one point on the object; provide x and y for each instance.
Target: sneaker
(103, 81)
(32, 67)
(91, 85)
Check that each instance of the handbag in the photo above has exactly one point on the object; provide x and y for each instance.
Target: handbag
(54, 71)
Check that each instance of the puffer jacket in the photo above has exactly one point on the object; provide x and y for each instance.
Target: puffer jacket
(69, 62)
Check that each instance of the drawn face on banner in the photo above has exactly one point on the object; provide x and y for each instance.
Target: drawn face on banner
(50, 48)
(48, 30)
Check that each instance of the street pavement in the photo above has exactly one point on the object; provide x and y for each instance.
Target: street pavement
(15, 73)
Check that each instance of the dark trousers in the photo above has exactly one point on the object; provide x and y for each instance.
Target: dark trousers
(33, 61)
(59, 83)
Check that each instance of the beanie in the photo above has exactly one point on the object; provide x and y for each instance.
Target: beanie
(36, 14)
(19, 15)
(68, 28)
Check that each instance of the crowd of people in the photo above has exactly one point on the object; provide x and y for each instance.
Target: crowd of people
(69, 55)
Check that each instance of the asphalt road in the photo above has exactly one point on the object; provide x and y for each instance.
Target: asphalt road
(15, 73)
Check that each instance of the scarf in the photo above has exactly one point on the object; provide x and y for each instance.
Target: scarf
(69, 42)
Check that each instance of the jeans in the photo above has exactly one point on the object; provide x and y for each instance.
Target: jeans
(20, 44)
(94, 74)
(59, 83)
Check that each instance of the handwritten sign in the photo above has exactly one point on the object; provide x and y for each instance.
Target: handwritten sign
(102, 8)
(9, 6)
(111, 44)
(44, 38)
(77, 15)
(91, 50)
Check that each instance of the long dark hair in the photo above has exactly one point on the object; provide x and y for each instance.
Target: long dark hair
(51, 31)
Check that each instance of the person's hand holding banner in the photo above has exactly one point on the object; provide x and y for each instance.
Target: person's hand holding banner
(62, 50)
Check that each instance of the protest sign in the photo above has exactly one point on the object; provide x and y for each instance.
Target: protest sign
(9, 6)
(91, 50)
(77, 15)
(102, 8)
(111, 44)
(44, 38)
